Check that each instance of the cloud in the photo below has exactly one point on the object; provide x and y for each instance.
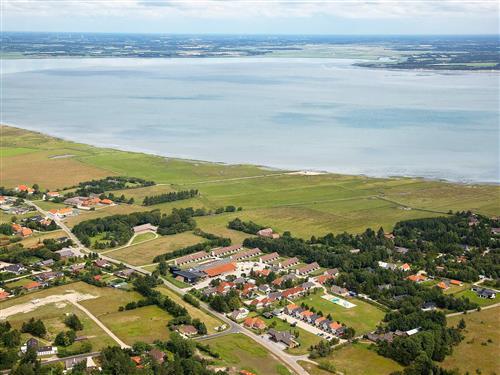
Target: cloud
(220, 9)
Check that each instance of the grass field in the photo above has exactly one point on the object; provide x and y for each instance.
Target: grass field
(244, 353)
(355, 359)
(304, 205)
(53, 317)
(210, 321)
(476, 351)
(143, 253)
(363, 317)
(143, 237)
(146, 324)
(472, 296)
(38, 237)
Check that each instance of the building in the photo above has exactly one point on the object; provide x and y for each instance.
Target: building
(187, 276)
(33, 285)
(308, 268)
(401, 250)
(269, 257)
(24, 189)
(228, 250)
(67, 252)
(284, 337)
(4, 295)
(418, 278)
(246, 254)
(239, 314)
(220, 269)
(293, 292)
(387, 266)
(15, 268)
(334, 272)
(195, 257)
(145, 228)
(102, 263)
(443, 284)
(287, 263)
(48, 276)
(125, 273)
(268, 232)
(339, 291)
(71, 362)
(456, 282)
(486, 293)
(255, 323)
(308, 285)
(62, 212)
(405, 267)
(157, 355)
(188, 330)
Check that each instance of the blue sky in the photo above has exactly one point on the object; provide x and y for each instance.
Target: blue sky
(254, 17)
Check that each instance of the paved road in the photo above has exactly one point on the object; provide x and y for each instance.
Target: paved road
(474, 310)
(289, 360)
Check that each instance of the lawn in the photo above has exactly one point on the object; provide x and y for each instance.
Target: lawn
(355, 359)
(244, 353)
(38, 237)
(143, 253)
(210, 321)
(476, 351)
(364, 317)
(146, 324)
(143, 237)
(472, 296)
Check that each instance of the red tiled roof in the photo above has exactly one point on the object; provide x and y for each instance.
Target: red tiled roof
(215, 271)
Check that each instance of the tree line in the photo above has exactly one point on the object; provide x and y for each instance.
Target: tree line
(169, 197)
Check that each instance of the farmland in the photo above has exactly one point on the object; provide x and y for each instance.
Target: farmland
(364, 317)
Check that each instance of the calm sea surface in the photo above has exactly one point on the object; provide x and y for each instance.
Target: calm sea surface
(316, 114)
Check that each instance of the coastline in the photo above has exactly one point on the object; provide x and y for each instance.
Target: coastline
(291, 171)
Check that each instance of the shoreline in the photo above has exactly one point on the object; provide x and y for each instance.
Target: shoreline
(298, 171)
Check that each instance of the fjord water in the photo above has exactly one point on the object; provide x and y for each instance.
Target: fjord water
(320, 114)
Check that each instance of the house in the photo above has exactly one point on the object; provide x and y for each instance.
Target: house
(401, 250)
(293, 292)
(241, 313)
(46, 263)
(335, 327)
(486, 293)
(220, 269)
(102, 263)
(405, 267)
(25, 189)
(71, 362)
(224, 287)
(62, 212)
(334, 272)
(308, 285)
(322, 279)
(48, 276)
(264, 273)
(40, 350)
(157, 355)
(456, 282)
(52, 194)
(284, 337)
(269, 257)
(290, 262)
(246, 254)
(387, 266)
(144, 228)
(304, 315)
(195, 257)
(106, 201)
(188, 330)
(389, 236)
(76, 268)
(264, 288)
(125, 273)
(68, 252)
(268, 232)
(355, 251)
(255, 323)
(308, 268)
(15, 268)
(33, 285)
(228, 250)
(495, 231)
(289, 309)
(339, 291)
(312, 318)
(419, 278)
(429, 306)
(4, 295)
(443, 285)
(248, 290)
(297, 313)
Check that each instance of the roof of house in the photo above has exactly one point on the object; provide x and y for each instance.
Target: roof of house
(106, 201)
(32, 285)
(188, 329)
(292, 291)
(268, 257)
(289, 262)
(4, 295)
(192, 257)
(227, 249)
(157, 354)
(217, 270)
(247, 254)
(308, 268)
(143, 227)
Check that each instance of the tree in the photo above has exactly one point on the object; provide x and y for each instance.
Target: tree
(11, 339)
(461, 324)
(35, 327)
(73, 322)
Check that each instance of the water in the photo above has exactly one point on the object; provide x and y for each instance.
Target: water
(319, 114)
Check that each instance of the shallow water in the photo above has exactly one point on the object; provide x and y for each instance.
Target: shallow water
(320, 114)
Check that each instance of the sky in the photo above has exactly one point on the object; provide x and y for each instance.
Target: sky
(367, 17)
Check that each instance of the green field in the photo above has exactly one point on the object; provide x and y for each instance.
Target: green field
(143, 237)
(472, 296)
(244, 353)
(355, 359)
(143, 253)
(477, 349)
(364, 317)
(304, 205)
(38, 237)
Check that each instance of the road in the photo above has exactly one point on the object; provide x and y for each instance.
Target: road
(474, 310)
(289, 360)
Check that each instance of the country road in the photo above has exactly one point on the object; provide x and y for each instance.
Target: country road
(474, 310)
(287, 359)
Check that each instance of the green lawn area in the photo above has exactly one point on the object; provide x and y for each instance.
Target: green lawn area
(143, 253)
(146, 324)
(472, 296)
(245, 354)
(38, 237)
(20, 282)
(14, 151)
(475, 351)
(363, 317)
(49, 205)
(355, 359)
(143, 237)
(305, 338)
(210, 321)
(53, 317)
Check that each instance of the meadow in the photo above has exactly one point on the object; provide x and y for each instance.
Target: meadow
(364, 317)
(355, 359)
(477, 349)
(244, 353)
(305, 205)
